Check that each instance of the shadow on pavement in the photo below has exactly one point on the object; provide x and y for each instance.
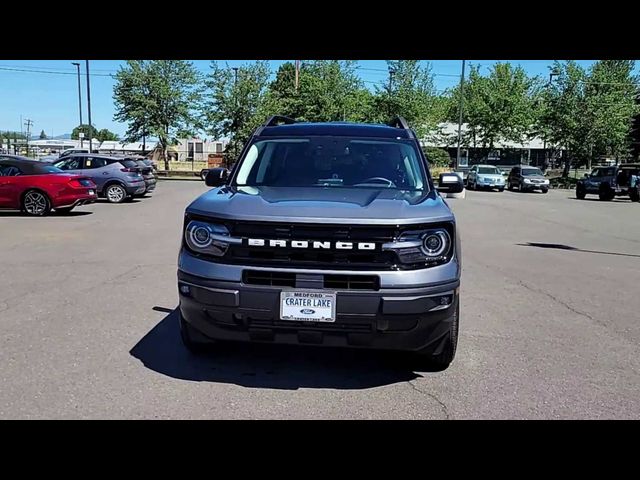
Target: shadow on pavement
(53, 213)
(557, 246)
(286, 367)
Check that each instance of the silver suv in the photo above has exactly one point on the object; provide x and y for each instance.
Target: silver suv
(324, 234)
(117, 178)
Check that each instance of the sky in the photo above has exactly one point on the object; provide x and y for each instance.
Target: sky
(46, 91)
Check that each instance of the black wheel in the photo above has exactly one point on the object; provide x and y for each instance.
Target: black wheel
(63, 210)
(189, 338)
(115, 193)
(544, 190)
(634, 194)
(606, 195)
(521, 187)
(501, 189)
(441, 361)
(580, 193)
(35, 203)
(510, 187)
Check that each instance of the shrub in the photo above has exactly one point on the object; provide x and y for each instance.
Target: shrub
(438, 157)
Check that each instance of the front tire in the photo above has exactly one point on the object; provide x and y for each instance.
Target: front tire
(634, 194)
(35, 203)
(115, 193)
(580, 193)
(606, 195)
(188, 335)
(501, 189)
(442, 360)
(544, 190)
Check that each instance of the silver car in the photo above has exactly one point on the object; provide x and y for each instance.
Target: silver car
(485, 177)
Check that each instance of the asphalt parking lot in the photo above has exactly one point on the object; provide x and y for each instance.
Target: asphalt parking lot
(550, 324)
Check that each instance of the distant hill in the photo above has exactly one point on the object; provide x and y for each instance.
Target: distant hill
(66, 136)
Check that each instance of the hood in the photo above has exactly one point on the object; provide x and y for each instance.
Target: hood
(535, 177)
(322, 205)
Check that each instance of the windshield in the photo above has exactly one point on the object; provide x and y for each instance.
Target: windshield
(531, 171)
(488, 170)
(333, 162)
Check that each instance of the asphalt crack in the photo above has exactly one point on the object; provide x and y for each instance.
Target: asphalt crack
(442, 405)
(560, 302)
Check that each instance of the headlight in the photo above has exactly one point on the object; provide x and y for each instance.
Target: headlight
(209, 238)
(526, 180)
(427, 247)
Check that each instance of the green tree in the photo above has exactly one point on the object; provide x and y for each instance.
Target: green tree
(328, 90)
(43, 135)
(105, 135)
(610, 105)
(89, 132)
(159, 98)
(410, 93)
(502, 106)
(438, 157)
(234, 103)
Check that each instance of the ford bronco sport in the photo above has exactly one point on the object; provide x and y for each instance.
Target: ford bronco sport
(328, 234)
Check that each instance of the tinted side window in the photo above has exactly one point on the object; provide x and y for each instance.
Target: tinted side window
(9, 171)
(129, 163)
(73, 163)
(92, 162)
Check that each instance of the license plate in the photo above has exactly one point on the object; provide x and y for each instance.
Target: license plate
(308, 306)
(92, 192)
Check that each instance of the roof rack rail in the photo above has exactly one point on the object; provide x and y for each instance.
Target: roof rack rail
(277, 119)
(399, 122)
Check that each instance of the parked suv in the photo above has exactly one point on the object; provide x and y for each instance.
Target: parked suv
(117, 178)
(485, 176)
(527, 179)
(609, 182)
(325, 234)
(146, 171)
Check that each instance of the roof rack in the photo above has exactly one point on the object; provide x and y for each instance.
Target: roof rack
(399, 122)
(277, 119)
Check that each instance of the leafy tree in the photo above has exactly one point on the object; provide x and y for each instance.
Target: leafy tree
(43, 135)
(159, 98)
(498, 107)
(234, 103)
(438, 157)
(410, 93)
(328, 90)
(105, 135)
(89, 132)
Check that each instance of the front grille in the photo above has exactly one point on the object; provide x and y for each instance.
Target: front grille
(272, 279)
(326, 259)
(341, 327)
(300, 258)
(333, 282)
(352, 282)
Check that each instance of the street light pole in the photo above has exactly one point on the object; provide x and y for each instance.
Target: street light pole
(461, 104)
(77, 64)
(89, 107)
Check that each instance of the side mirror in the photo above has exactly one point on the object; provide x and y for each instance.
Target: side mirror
(216, 177)
(450, 183)
(586, 175)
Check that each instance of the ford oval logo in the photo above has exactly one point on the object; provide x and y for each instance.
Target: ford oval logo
(307, 311)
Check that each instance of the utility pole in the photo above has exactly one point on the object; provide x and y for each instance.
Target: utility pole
(460, 107)
(297, 74)
(89, 107)
(28, 122)
(77, 64)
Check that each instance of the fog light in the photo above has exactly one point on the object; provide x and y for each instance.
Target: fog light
(184, 289)
(445, 300)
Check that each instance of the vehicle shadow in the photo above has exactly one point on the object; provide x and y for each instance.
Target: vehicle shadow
(286, 367)
(16, 213)
(104, 200)
(557, 246)
(596, 199)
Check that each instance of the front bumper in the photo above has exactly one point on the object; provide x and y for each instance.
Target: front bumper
(390, 318)
(536, 186)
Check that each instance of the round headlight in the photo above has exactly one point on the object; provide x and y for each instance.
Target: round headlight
(435, 243)
(201, 236)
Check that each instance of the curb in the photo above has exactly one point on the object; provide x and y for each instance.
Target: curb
(182, 179)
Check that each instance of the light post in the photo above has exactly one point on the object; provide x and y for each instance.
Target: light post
(553, 73)
(89, 108)
(77, 64)
(461, 104)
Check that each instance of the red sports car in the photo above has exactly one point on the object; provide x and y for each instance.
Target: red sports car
(36, 188)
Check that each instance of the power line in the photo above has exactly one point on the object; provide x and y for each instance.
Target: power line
(24, 70)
